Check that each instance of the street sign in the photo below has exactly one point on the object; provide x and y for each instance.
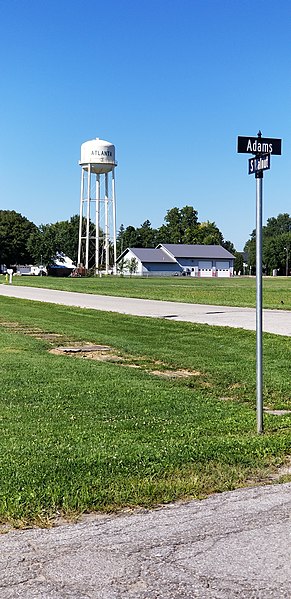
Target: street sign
(259, 145)
(262, 148)
(259, 164)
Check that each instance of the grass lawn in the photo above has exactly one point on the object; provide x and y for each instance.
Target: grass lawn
(80, 434)
(238, 291)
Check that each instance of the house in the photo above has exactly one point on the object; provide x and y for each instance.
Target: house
(177, 259)
(148, 262)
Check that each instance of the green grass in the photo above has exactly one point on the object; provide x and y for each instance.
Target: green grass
(239, 291)
(79, 435)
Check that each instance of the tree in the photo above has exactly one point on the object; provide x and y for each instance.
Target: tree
(15, 231)
(131, 265)
(181, 226)
(42, 245)
(121, 266)
(127, 238)
(276, 237)
(228, 245)
(120, 240)
(189, 224)
(238, 262)
(209, 234)
(278, 225)
(67, 236)
(52, 240)
(146, 236)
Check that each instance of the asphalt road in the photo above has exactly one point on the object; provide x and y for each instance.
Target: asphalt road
(274, 321)
(229, 546)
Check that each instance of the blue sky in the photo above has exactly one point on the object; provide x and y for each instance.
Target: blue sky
(170, 83)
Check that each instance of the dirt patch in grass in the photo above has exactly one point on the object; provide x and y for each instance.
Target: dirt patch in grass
(108, 354)
(101, 353)
(87, 350)
(35, 332)
(207, 384)
(50, 336)
(276, 412)
(176, 373)
(282, 473)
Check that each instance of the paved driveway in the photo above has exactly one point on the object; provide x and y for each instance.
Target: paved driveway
(229, 546)
(274, 321)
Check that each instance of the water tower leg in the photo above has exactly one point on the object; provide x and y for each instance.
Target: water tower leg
(106, 226)
(88, 217)
(81, 218)
(97, 220)
(114, 222)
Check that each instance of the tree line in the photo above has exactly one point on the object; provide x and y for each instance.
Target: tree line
(23, 242)
(181, 225)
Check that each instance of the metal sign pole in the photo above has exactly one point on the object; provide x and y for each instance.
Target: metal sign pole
(261, 148)
(259, 302)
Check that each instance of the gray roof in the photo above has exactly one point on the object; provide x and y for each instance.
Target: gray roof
(179, 250)
(149, 255)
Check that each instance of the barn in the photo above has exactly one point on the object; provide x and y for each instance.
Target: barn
(177, 259)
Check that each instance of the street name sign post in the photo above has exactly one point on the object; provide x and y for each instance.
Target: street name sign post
(262, 148)
(259, 164)
(259, 145)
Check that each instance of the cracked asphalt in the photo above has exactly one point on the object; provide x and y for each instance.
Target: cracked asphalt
(228, 546)
(231, 545)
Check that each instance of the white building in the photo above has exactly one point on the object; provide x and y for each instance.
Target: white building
(177, 259)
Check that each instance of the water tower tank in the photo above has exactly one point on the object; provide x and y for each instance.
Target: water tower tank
(100, 154)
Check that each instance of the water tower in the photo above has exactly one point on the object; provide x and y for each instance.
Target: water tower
(97, 225)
